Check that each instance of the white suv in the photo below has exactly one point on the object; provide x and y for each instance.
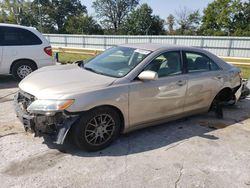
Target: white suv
(22, 50)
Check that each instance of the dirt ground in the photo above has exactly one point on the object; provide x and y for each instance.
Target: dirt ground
(199, 151)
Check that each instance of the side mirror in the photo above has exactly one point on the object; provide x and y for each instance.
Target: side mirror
(148, 75)
(79, 63)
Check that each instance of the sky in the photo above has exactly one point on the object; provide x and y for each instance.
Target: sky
(163, 7)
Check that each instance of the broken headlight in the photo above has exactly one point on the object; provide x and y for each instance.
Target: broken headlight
(49, 106)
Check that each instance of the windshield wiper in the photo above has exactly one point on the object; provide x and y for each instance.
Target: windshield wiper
(90, 69)
(93, 70)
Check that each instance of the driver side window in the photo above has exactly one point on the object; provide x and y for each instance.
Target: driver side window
(167, 64)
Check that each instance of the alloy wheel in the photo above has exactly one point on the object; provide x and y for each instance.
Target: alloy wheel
(99, 129)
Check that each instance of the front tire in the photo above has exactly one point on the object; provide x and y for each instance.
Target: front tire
(22, 68)
(97, 129)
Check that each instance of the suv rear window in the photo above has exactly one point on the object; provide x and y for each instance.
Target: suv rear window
(11, 36)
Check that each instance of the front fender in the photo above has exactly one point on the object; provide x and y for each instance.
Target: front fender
(116, 96)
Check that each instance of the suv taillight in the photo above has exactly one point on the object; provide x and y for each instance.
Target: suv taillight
(48, 50)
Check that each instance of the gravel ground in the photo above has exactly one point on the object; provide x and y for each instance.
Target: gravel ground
(199, 151)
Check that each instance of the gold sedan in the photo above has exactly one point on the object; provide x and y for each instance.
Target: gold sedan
(125, 88)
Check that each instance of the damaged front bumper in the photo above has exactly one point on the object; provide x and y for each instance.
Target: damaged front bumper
(55, 125)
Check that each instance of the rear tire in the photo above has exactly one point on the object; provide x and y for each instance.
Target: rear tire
(220, 100)
(233, 101)
(22, 68)
(97, 129)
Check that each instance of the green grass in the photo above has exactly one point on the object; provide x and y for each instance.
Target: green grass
(70, 58)
(245, 70)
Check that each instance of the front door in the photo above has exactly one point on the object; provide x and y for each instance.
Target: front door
(155, 100)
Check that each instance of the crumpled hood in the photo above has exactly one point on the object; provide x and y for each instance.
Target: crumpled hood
(55, 82)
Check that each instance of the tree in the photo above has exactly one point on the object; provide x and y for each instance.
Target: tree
(188, 21)
(220, 17)
(83, 24)
(241, 21)
(53, 14)
(46, 15)
(113, 12)
(10, 11)
(142, 22)
(171, 23)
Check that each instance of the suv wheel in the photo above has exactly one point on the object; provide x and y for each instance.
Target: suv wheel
(21, 69)
(97, 129)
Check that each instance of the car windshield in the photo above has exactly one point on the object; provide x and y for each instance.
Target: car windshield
(117, 61)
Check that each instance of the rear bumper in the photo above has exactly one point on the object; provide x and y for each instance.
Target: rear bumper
(245, 89)
(238, 92)
(56, 126)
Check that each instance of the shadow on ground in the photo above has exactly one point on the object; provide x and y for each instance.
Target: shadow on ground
(169, 134)
(7, 82)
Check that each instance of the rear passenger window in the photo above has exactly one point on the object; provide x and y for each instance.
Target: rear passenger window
(11, 36)
(200, 63)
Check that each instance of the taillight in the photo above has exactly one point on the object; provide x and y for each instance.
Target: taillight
(48, 50)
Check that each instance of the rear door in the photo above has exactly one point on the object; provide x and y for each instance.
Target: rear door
(11, 45)
(1, 50)
(1, 56)
(205, 79)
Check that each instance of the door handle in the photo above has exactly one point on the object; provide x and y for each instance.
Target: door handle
(181, 82)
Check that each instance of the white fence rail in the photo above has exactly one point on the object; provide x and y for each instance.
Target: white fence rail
(221, 46)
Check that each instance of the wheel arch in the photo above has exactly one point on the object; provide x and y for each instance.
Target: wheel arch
(117, 110)
(22, 59)
(225, 94)
(112, 107)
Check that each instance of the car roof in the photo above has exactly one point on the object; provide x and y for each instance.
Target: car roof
(16, 26)
(31, 29)
(155, 46)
